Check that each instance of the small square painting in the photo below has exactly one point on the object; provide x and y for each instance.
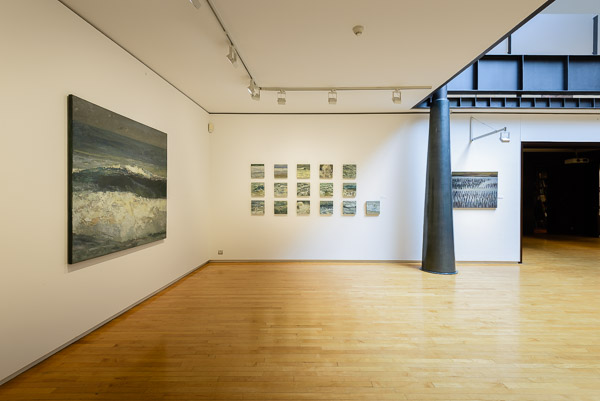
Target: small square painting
(280, 190)
(303, 171)
(349, 171)
(303, 189)
(257, 171)
(326, 208)
(280, 207)
(326, 189)
(303, 207)
(257, 207)
(349, 190)
(280, 171)
(257, 189)
(326, 171)
(349, 208)
(373, 208)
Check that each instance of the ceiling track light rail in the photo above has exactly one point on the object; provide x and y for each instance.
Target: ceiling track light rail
(342, 88)
(234, 58)
(232, 45)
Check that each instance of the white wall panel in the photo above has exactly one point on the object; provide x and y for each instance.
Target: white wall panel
(48, 53)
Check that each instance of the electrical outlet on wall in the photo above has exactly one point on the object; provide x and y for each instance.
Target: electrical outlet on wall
(220, 252)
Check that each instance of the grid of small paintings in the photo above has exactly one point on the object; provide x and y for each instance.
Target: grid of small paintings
(303, 190)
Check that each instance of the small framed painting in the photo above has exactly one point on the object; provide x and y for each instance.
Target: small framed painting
(326, 189)
(257, 189)
(349, 171)
(326, 208)
(349, 190)
(373, 208)
(280, 171)
(280, 190)
(326, 171)
(349, 208)
(257, 171)
(303, 207)
(303, 171)
(302, 189)
(280, 207)
(257, 207)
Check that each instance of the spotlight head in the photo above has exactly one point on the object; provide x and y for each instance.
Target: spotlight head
(505, 136)
(254, 90)
(196, 3)
(396, 97)
(281, 98)
(332, 97)
(232, 56)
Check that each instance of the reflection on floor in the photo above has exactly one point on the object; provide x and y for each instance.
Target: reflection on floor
(316, 331)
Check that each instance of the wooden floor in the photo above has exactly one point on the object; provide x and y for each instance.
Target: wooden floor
(316, 331)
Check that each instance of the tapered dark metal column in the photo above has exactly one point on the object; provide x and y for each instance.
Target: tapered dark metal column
(438, 227)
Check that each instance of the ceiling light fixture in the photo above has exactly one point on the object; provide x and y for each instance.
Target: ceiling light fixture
(281, 98)
(332, 97)
(254, 90)
(504, 136)
(196, 3)
(396, 97)
(232, 56)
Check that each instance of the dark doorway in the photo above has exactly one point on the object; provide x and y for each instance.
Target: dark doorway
(560, 189)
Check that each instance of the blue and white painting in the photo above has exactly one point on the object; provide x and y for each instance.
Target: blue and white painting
(117, 182)
(475, 190)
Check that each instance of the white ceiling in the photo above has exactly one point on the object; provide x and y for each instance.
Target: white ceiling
(287, 43)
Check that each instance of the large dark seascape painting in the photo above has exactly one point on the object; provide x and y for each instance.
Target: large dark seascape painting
(117, 182)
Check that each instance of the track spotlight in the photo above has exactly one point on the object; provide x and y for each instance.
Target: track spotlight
(196, 3)
(396, 97)
(254, 90)
(332, 97)
(232, 56)
(281, 98)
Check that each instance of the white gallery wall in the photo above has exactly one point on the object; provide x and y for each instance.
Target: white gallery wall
(390, 152)
(48, 53)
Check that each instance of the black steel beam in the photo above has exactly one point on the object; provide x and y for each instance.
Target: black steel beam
(527, 81)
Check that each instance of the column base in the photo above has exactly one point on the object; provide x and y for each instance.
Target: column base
(432, 272)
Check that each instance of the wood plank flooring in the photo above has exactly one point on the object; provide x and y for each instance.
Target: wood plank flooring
(315, 331)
